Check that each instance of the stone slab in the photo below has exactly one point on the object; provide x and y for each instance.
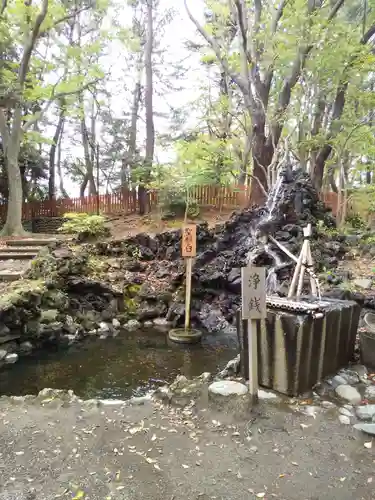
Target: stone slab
(348, 393)
(365, 412)
(228, 388)
(367, 428)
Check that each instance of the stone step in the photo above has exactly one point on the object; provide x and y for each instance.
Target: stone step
(30, 242)
(10, 275)
(21, 249)
(18, 255)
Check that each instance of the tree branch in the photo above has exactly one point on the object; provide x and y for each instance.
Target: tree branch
(244, 28)
(30, 44)
(217, 49)
(4, 4)
(278, 15)
(290, 82)
(339, 102)
(69, 16)
(267, 81)
(52, 99)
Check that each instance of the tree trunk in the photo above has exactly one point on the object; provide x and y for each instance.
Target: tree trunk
(89, 177)
(150, 129)
(262, 152)
(13, 224)
(52, 155)
(12, 143)
(63, 192)
(130, 160)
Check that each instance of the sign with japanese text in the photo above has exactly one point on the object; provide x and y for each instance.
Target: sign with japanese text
(189, 241)
(253, 292)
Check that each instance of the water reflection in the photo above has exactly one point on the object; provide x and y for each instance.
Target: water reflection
(115, 367)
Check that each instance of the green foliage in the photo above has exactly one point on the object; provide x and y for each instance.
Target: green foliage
(355, 220)
(173, 203)
(84, 226)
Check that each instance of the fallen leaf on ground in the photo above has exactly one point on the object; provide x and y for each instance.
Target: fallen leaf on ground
(80, 494)
(134, 430)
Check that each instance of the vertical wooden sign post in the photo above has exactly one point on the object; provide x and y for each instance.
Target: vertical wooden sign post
(189, 251)
(253, 309)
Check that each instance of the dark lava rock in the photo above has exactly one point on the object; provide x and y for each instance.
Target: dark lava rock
(221, 252)
(147, 311)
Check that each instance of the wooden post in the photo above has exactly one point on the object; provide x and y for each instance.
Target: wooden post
(297, 270)
(189, 250)
(189, 268)
(303, 268)
(314, 288)
(97, 181)
(302, 263)
(253, 309)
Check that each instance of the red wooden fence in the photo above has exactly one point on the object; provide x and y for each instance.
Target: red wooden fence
(127, 202)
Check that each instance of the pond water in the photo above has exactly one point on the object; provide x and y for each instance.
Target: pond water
(117, 367)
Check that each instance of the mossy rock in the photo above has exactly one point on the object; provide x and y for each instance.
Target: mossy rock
(49, 316)
(25, 291)
(55, 299)
(131, 290)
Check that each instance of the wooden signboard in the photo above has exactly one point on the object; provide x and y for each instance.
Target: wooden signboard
(189, 240)
(253, 309)
(253, 292)
(189, 250)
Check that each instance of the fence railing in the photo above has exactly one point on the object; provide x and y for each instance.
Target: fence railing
(127, 202)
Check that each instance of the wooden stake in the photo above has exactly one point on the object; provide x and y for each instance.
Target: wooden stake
(253, 359)
(314, 289)
(297, 270)
(303, 267)
(189, 269)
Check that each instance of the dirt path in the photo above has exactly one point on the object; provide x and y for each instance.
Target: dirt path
(156, 453)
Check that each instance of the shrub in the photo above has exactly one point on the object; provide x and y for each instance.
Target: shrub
(173, 204)
(84, 226)
(356, 221)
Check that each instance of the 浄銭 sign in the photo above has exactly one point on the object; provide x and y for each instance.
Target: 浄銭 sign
(189, 241)
(253, 292)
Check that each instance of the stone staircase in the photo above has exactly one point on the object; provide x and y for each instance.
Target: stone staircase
(17, 254)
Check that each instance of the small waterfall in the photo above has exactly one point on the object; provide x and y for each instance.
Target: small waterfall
(260, 245)
(271, 280)
(274, 196)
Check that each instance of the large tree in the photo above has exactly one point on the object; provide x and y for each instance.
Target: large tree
(27, 25)
(277, 46)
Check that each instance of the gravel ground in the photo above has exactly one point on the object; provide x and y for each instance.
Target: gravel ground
(160, 453)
